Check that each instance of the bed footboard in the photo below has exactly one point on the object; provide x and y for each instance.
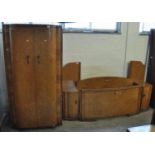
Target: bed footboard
(101, 103)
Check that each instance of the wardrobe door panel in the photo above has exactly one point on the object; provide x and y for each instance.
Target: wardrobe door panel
(23, 75)
(46, 76)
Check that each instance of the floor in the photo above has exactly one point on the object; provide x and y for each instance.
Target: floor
(115, 124)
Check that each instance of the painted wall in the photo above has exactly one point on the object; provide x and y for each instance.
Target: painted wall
(100, 54)
(136, 45)
(105, 54)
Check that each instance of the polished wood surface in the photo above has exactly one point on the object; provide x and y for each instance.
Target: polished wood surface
(101, 97)
(23, 74)
(72, 71)
(146, 96)
(104, 82)
(136, 71)
(70, 108)
(101, 103)
(47, 75)
(33, 66)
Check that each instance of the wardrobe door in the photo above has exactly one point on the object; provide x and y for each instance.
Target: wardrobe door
(47, 78)
(22, 40)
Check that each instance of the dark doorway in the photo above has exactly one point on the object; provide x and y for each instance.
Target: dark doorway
(151, 66)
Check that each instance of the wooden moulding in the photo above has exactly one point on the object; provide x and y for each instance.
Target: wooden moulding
(71, 106)
(104, 82)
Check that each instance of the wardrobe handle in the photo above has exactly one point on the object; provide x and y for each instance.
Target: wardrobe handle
(38, 59)
(27, 59)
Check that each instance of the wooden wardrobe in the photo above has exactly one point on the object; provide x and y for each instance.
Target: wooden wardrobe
(33, 59)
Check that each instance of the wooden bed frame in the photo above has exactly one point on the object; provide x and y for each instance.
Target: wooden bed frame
(112, 98)
(101, 97)
(101, 103)
(72, 71)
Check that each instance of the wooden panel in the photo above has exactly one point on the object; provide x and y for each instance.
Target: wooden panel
(23, 73)
(71, 106)
(72, 71)
(99, 103)
(104, 82)
(58, 65)
(47, 76)
(136, 71)
(146, 95)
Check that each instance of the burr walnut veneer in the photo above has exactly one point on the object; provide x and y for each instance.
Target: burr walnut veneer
(137, 73)
(33, 58)
(108, 96)
(101, 97)
(72, 71)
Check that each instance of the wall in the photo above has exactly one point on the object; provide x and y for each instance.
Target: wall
(105, 54)
(100, 54)
(136, 44)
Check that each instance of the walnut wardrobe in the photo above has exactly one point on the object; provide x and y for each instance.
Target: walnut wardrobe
(33, 60)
